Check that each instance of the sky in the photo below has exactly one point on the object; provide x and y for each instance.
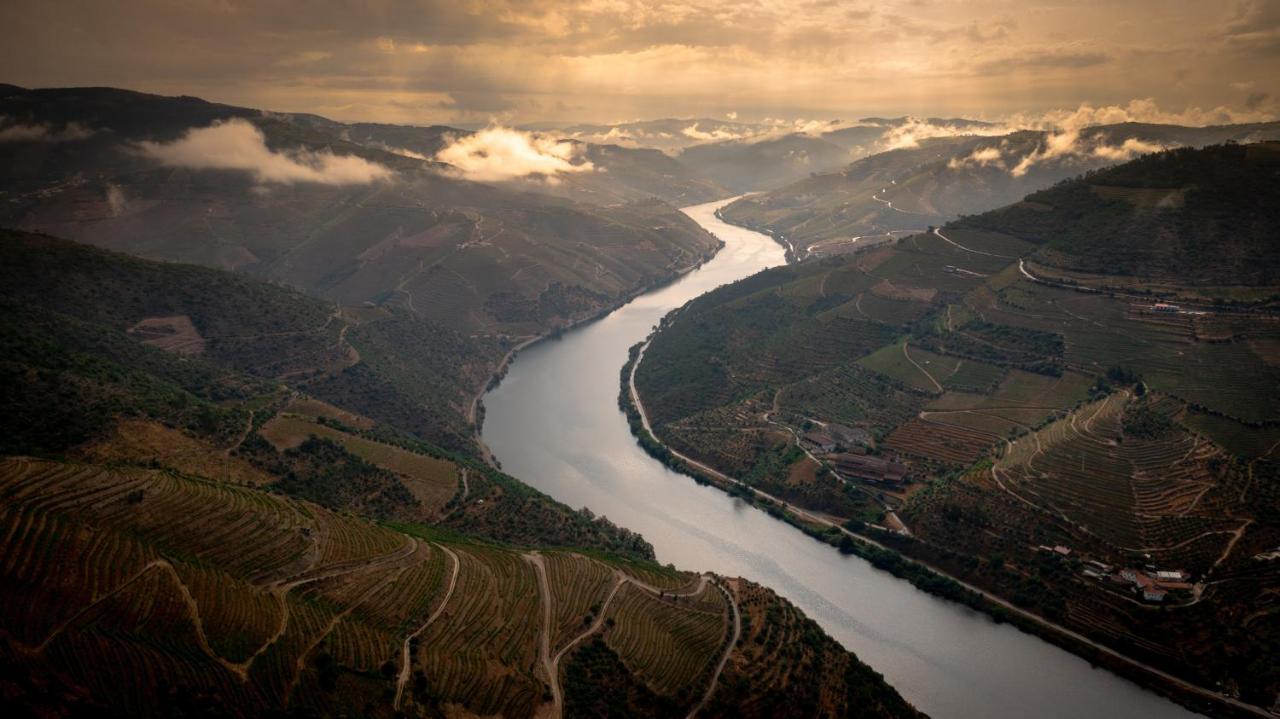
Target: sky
(524, 61)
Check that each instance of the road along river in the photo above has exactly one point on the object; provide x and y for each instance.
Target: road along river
(554, 423)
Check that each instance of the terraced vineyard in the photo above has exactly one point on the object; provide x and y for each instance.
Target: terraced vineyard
(1157, 496)
(667, 643)
(123, 580)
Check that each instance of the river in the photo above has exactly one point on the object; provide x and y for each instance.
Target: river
(554, 423)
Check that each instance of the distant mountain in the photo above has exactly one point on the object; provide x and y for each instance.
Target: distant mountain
(750, 165)
(667, 134)
(464, 268)
(943, 178)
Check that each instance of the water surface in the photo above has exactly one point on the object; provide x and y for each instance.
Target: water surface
(554, 423)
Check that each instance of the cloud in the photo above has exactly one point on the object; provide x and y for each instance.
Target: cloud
(17, 132)
(980, 157)
(1128, 150)
(239, 145)
(496, 154)
(1070, 143)
(718, 134)
(910, 133)
(1138, 110)
(401, 151)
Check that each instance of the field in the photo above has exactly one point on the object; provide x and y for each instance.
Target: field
(433, 482)
(258, 602)
(1139, 495)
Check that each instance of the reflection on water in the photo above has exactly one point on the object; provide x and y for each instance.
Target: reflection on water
(554, 423)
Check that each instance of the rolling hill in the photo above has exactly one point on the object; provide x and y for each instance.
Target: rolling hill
(944, 178)
(1080, 384)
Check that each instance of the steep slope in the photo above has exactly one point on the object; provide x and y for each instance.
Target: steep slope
(972, 397)
(149, 593)
(388, 364)
(186, 534)
(946, 177)
(111, 358)
(1183, 217)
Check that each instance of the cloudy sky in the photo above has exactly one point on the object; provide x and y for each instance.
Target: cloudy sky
(517, 61)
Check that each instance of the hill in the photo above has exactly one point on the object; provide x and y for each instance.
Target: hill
(960, 398)
(943, 178)
(148, 593)
(193, 531)
(1182, 217)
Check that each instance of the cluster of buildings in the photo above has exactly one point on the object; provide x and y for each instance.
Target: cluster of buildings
(845, 451)
(1151, 583)
(1154, 585)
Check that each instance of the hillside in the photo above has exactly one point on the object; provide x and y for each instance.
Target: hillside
(944, 178)
(191, 530)
(1181, 218)
(962, 405)
(149, 593)
(108, 357)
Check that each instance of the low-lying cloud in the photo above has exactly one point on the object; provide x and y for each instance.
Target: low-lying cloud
(17, 132)
(719, 134)
(238, 144)
(496, 154)
(913, 131)
(1070, 143)
(981, 157)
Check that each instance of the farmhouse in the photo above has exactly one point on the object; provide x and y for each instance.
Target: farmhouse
(869, 469)
(820, 441)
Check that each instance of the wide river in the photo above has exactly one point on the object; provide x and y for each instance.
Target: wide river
(554, 422)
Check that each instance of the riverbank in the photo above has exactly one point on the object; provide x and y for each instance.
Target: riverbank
(475, 413)
(873, 546)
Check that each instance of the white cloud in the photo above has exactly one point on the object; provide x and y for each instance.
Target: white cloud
(239, 145)
(1069, 143)
(910, 133)
(1128, 150)
(496, 154)
(981, 157)
(1139, 110)
(17, 132)
(718, 134)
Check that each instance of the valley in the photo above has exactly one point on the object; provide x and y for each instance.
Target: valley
(589, 457)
